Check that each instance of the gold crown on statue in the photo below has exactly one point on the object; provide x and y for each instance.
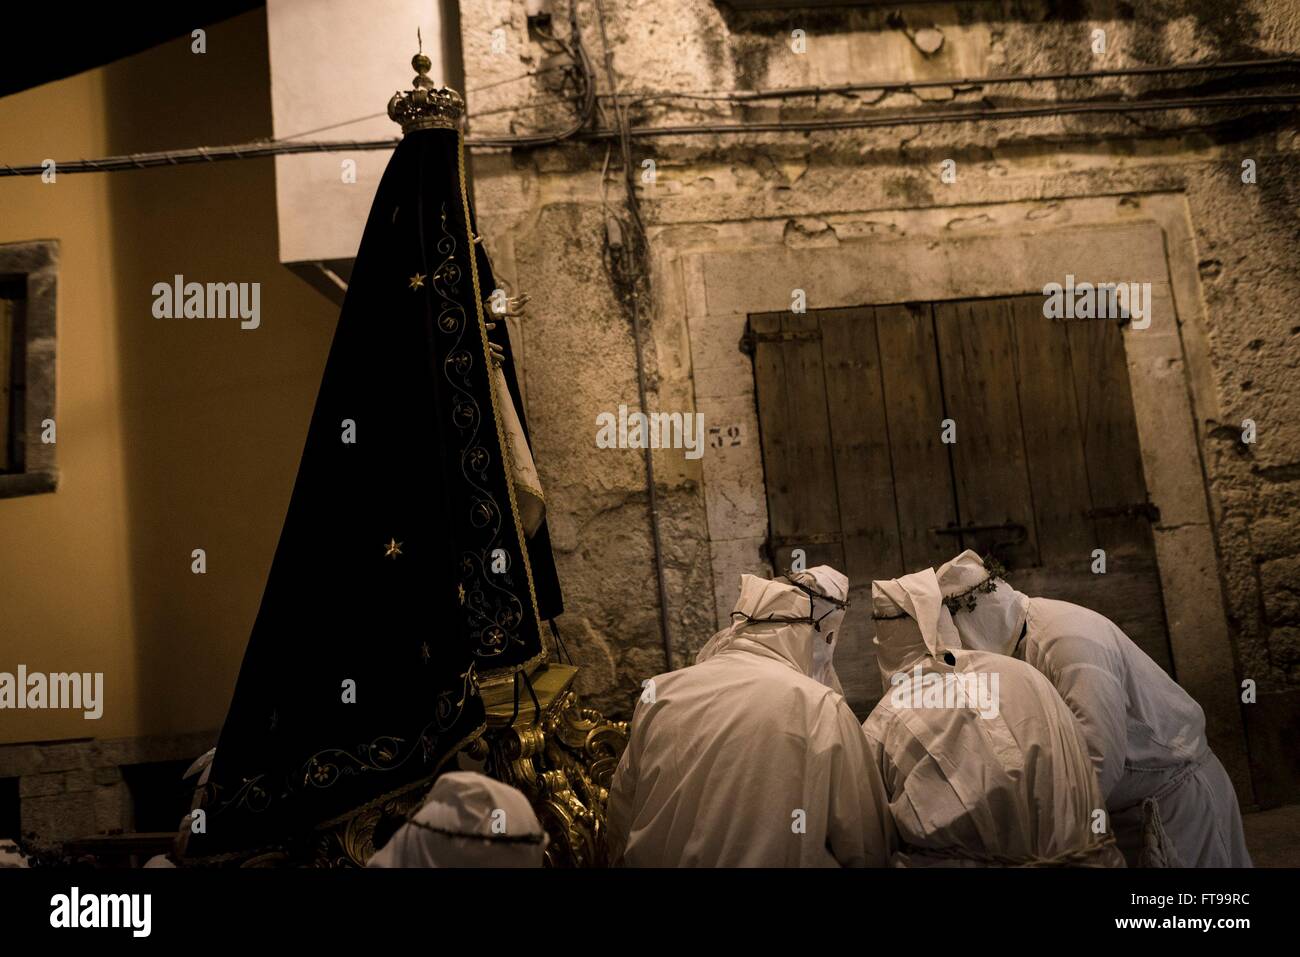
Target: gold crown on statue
(426, 107)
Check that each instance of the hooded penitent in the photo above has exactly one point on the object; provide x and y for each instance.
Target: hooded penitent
(822, 607)
(982, 761)
(1144, 733)
(990, 613)
(745, 759)
(467, 820)
(911, 624)
(404, 573)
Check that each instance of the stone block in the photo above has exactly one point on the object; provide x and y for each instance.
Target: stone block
(1198, 638)
(1284, 647)
(1280, 582)
(17, 760)
(59, 817)
(731, 559)
(72, 756)
(733, 470)
(112, 809)
(40, 785)
(1273, 536)
(74, 781)
(720, 368)
(1169, 456)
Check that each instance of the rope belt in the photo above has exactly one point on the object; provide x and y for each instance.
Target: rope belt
(1092, 854)
(1175, 780)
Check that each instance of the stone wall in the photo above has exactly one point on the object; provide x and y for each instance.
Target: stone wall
(543, 212)
(74, 789)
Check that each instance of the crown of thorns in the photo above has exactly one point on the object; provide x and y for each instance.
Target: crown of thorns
(818, 592)
(965, 600)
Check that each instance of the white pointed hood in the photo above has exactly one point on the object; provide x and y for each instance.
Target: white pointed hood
(825, 580)
(810, 649)
(995, 621)
(468, 820)
(911, 622)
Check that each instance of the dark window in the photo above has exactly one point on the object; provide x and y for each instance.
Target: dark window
(13, 375)
(28, 424)
(158, 795)
(10, 813)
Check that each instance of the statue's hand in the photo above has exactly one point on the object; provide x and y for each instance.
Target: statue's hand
(516, 306)
(497, 352)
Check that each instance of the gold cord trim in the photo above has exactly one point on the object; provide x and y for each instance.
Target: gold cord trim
(534, 492)
(387, 796)
(506, 460)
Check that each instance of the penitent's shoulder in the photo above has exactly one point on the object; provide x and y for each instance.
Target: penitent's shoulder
(1053, 616)
(1061, 633)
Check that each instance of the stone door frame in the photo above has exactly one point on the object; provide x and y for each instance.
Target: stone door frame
(916, 257)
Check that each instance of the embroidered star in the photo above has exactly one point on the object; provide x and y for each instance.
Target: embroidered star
(460, 591)
(417, 281)
(393, 548)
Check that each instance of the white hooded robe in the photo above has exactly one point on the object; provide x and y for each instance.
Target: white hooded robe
(1145, 734)
(1002, 779)
(744, 760)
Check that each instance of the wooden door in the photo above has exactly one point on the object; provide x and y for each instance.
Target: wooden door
(1044, 470)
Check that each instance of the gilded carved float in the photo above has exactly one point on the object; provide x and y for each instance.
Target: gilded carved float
(557, 752)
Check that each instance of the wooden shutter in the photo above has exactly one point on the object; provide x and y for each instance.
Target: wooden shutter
(1046, 466)
(798, 464)
(914, 412)
(991, 477)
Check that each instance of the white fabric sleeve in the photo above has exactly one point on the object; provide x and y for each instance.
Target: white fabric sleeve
(859, 829)
(1087, 675)
(618, 809)
(877, 754)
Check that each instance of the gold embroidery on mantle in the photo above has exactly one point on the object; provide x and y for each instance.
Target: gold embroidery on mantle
(561, 755)
(487, 674)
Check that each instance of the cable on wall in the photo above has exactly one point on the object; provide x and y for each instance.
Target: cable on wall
(580, 128)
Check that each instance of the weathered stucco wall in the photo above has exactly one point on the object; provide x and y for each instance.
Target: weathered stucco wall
(543, 212)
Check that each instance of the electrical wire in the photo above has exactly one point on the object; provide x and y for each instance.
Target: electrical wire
(628, 265)
(518, 107)
(900, 86)
(581, 64)
(580, 128)
(577, 53)
(264, 148)
(515, 79)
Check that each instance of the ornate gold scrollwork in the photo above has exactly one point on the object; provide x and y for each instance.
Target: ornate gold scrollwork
(560, 754)
(351, 842)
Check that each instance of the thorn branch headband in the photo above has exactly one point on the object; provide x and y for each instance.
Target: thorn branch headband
(966, 599)
(813, 596)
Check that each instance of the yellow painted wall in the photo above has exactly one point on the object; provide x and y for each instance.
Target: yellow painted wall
(172, 434)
